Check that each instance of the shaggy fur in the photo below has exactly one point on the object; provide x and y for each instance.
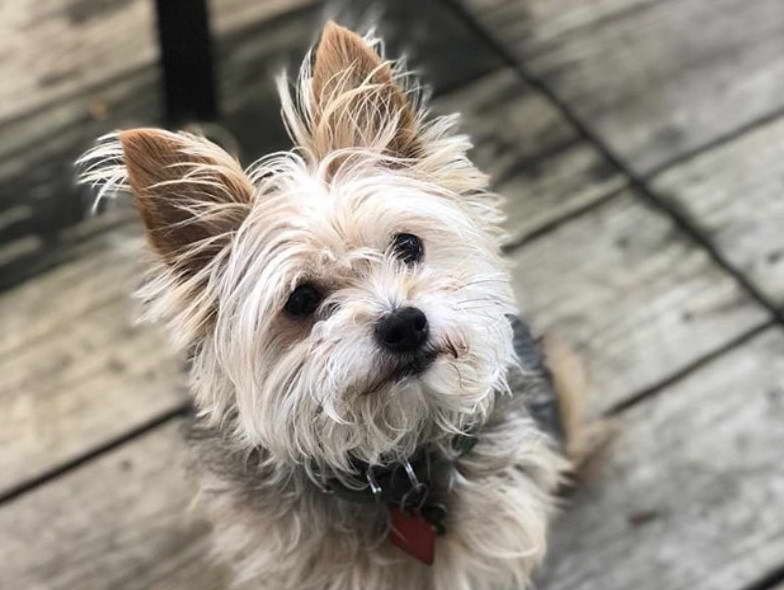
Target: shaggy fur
(285, 402)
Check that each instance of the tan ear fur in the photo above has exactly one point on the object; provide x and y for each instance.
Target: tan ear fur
(356, 97)
(191, 194)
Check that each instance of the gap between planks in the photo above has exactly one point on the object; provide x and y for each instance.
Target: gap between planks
(644, 394)
(773, 580)
(49, 475)
(637, 182)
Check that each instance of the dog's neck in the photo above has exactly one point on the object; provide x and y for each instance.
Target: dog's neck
(400, 481)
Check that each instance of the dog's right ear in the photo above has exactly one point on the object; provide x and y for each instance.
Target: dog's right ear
(191, 194)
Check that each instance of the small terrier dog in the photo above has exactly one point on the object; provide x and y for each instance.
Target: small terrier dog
(361, 383)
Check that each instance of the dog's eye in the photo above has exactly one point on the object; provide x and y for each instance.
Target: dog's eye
(408, 248)
(303, 301)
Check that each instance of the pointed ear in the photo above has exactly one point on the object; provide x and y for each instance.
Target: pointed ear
(356, 99)
(191, 194)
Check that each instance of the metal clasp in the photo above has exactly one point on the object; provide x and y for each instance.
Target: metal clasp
(411, 473)
(374, 487)
(418, 490)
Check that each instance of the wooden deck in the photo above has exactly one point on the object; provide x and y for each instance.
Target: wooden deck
(641, 145)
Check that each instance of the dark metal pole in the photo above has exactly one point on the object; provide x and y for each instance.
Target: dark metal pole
(186, 59)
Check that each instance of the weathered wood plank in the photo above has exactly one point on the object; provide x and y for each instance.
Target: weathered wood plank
(657, 80)
(227, 16)
(120, 522)
(52, 49)
(56, 49)
(734, 194)
(82, 387)
(636, 299)
(689, 494)
(534, 157)
(75, 368)
(538, 23)
(105, 268)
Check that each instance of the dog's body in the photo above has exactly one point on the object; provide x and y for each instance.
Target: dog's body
(277, 526)
(347, 310)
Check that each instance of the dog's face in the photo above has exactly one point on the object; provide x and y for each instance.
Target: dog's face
(345, 299)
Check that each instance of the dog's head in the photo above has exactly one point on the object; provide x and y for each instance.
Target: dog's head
(343, 299)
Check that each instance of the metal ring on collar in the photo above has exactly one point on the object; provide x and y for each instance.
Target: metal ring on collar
(374, 487)
(411, 474)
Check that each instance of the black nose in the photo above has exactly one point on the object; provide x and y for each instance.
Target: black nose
(403, 330)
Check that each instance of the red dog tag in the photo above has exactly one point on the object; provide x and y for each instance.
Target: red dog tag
(413, 534)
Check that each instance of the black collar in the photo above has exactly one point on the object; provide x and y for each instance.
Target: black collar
(406, 483)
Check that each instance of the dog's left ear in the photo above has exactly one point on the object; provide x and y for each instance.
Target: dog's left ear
(356, 101)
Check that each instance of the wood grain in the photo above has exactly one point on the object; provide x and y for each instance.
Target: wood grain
(734, 194)
(104, 269)
(541, 23)
(637, 300)
(119, 522)
(533, 156)
(689, 494)
(58, 48)
(76, 370)
(657, 79)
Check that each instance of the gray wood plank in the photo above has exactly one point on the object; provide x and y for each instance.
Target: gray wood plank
(106, 268)
(76, 369)
(533, 156)
(658, 79)
(121, 522)
(55, 49)
(688, 496)
(540, 23)
(734, 194)
(637, 300)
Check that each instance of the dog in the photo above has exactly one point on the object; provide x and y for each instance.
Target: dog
(370, 413)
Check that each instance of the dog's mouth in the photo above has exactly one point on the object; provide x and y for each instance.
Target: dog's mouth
(414, 365)
(411, 365)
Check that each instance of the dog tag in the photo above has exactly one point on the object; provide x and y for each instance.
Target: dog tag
(413, 534)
